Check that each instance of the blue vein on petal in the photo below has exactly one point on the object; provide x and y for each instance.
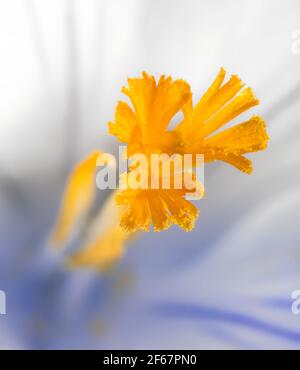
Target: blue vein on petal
(279, 303)
(201, 312)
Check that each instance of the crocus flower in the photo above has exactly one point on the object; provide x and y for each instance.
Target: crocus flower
(228, 283)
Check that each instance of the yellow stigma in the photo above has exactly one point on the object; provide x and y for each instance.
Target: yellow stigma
(144, 128)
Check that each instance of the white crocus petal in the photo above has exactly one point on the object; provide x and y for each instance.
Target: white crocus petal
(227, 284)
(236, 294)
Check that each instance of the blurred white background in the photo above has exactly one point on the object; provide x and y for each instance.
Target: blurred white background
(225, 285)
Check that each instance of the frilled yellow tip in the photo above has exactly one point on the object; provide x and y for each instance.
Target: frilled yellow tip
(143, 126)
(160, 208)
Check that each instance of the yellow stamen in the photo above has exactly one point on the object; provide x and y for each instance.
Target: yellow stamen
(77, 198)
(104, 243)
